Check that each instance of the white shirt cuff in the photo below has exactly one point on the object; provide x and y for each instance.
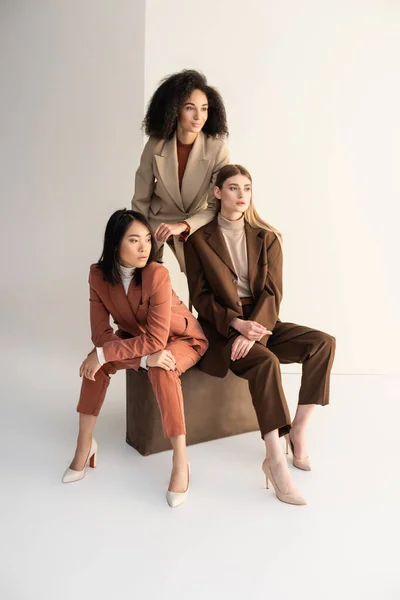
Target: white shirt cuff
(102, 360)
(100, 356)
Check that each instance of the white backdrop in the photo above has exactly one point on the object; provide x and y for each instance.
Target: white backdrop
(312, 91)
(312, 95)
(72, 98)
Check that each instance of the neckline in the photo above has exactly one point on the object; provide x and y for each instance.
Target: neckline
(179, 143)
(230, 225)
(126, 271)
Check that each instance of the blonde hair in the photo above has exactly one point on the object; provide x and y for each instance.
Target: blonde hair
(251, 215)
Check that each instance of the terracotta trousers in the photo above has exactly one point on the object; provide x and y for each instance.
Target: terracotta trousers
(289, 343)
(166, 385)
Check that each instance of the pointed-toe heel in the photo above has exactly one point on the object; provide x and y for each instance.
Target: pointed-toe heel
(71, 475)
(293, 497)
(300, 463)
(175, 499)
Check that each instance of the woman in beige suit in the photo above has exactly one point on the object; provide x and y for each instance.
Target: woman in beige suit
(234, 268)
(186, 125)
(155, 331)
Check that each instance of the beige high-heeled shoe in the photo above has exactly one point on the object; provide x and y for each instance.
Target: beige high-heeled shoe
(293, 497)
(70, 475)
(175, 499)
(301, 463)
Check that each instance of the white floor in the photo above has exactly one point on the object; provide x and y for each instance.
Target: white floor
(112, 535)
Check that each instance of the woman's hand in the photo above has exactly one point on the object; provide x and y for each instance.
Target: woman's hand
(90, 366)
(241, 347)
(163, 359)
(164, 231)
(250, 329)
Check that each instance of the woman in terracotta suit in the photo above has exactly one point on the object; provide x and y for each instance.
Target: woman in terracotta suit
(234, 270)
(156, 332)
(186, 125)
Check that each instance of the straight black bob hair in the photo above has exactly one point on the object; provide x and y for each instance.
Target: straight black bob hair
(116, 228)
(162, 112)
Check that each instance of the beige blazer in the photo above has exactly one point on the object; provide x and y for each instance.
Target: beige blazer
(157, 195)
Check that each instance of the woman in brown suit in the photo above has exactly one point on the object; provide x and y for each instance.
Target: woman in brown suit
(155, 331)
(174, 183)
(234, 270)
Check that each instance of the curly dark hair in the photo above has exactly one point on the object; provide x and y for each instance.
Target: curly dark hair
(162, 112)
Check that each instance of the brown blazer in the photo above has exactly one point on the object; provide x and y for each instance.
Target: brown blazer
(157, 195)
(148, 317)
(213, 287)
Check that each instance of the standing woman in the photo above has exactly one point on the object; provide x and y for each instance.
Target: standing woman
(234, 269)
(186, 125)
(155, 331)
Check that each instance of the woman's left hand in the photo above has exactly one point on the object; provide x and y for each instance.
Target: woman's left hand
(90, 366)
(165, 230)
(241, 347)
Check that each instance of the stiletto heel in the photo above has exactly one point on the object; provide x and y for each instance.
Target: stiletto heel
(266, 482)
(71, 475)
(293, 497)
(301, 463)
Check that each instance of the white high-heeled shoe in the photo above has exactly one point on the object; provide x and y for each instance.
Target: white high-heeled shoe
(175, 499)
(70, 475)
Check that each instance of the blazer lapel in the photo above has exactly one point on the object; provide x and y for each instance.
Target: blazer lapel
(122, 306)
(215, 239)
(167, 165)
(195, 172)
(254, 244)
(134, 298)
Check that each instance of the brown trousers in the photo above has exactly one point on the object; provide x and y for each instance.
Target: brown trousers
(289, 343)
(166, 386)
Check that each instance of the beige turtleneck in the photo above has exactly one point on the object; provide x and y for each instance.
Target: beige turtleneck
(234, 235)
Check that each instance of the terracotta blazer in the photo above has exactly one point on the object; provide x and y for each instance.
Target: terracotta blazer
(213, 287)
(157, 194)
(148, 317)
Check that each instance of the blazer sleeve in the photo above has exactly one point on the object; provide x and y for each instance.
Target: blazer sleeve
(202, 296)
(99, 320)
(102, 332)
(144, 181)
(157, 329)
(266, 310)
(205, 216)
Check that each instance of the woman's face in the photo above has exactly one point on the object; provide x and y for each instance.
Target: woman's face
(135, 246)
(194, 112)
(235, 195)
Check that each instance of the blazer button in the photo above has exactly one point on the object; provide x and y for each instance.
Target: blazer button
(234, 281)
(239, 303)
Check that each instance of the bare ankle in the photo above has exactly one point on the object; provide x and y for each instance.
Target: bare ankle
(274, 459)
(84, 440)
(179, 459)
